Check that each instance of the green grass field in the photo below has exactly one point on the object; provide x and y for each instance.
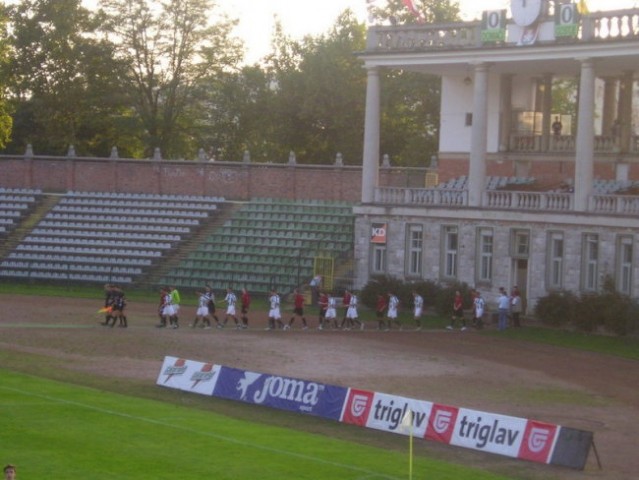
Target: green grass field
(57, 430)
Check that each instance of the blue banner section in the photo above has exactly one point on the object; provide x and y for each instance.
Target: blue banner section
(283, 393)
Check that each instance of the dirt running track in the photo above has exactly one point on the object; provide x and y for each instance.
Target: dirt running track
(581, 390)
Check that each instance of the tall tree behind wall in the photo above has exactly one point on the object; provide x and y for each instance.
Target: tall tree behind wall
(6, 122)
(62, 80)
(169, 49)
(411, 101)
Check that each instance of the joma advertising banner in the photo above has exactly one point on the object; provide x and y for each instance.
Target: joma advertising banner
(488, 432)
(284, 393)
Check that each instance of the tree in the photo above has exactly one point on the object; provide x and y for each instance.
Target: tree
(6, 122)
(410, 100)
(62, 80)
(170, 49)
(320, 93)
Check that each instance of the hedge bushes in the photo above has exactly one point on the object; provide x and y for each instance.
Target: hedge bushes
(607, 310)
(435, 295)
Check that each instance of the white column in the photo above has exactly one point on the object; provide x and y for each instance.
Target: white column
(546, 120)
(477, 167)
(584, 151)
(370, 166)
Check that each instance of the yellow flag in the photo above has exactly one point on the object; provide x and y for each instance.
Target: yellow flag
(582, 7)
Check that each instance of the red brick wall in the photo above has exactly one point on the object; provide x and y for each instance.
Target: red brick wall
(232, 180)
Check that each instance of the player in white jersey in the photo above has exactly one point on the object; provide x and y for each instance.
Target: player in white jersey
(418, 308)
(202, 313)
(479, 306)
(274, 314)
(168, 311)
(331, 311)
(351, 313)
(391, 314)
(231, 300)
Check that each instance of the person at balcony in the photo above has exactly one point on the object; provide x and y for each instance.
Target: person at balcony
(557, 127)
(515, 306)
(615, 129)
(503, 306)
(458, 312)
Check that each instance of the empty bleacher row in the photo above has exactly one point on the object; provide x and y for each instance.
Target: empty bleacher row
(15, 204)
(269, 243)
(102, 237)
(492, 182)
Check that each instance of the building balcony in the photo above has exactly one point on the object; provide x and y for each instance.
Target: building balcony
(542, 202)
(566, 144)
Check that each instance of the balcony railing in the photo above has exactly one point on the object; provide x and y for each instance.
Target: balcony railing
(508, 200)
(596, 26)
(566, 143)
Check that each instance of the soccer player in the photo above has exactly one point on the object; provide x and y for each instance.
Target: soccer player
(231, 300)
(351, 312)
(274, 314)
(322, 302)
(391, 313)
(175, 306)
(109, 299)
(331, 312)
(346, 300)
(168, 311)
(380, 310)
(298, 310)
(246, 303)
(418, 306)
(202, 312)
(479, 306)
(162, 323)
(119, 302)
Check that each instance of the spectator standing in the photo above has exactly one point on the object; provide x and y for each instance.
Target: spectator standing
(503, 304)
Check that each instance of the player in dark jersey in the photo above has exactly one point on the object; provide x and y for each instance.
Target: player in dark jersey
(119, 303)
(245, 300)
(109, 300)
(298, 310)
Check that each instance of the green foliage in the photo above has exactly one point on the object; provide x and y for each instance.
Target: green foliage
(610, 310)
(556, 308)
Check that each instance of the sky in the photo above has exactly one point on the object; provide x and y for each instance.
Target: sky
(315, 17)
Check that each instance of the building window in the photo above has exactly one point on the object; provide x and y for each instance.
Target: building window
(519, 243)
(484, 255)
(624, 268)
(378, 258)
(590, 263)
(450, 246)
(555, 267)
(414, 250)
